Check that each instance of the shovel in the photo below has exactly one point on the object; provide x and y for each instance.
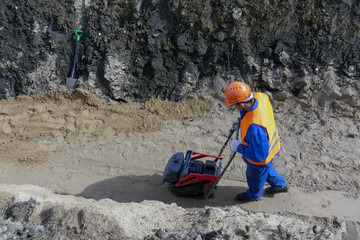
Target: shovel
(71, 81)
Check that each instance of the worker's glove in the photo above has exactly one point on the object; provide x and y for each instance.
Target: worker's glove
(236, 122)
(235, 145)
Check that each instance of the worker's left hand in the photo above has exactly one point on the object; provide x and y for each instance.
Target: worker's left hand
(235, 145)
(236, 122)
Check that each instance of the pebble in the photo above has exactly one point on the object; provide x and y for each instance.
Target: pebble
(160, 233)
(39, 228)
(316, 229)
(3, 229)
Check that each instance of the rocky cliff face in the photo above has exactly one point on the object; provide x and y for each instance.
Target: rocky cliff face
(132, 50)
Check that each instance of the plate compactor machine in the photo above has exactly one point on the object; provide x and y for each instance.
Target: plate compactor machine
(196, 173)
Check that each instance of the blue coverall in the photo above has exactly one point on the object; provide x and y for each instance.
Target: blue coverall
(257, 151)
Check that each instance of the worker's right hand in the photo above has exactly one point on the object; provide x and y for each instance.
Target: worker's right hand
(235, 145)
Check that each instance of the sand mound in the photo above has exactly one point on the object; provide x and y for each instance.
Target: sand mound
(34, 126)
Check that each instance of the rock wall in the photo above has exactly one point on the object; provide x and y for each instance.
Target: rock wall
(132, 50)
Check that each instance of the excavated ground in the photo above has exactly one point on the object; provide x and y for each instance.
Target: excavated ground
(75, 165)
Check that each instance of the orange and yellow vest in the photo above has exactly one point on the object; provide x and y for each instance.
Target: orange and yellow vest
(263, 116)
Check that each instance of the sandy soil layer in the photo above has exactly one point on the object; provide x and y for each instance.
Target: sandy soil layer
(78, 144)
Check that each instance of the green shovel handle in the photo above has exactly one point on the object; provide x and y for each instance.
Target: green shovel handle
(78, 34)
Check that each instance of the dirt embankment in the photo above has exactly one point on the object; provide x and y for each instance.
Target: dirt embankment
(170, 49)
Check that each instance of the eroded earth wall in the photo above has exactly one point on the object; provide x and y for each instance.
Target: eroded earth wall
(173, 48)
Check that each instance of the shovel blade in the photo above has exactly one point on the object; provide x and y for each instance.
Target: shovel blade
(71, 83)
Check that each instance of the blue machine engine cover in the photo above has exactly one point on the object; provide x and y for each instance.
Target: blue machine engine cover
(173, 168)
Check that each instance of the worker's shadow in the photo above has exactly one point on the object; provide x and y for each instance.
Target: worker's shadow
(151, 187)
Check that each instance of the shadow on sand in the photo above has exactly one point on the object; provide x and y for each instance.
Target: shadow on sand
(133, 188)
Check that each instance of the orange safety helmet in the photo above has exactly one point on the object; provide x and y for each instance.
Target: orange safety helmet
(237, 92)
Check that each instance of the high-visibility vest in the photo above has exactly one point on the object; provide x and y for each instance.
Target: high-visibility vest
(263, 115)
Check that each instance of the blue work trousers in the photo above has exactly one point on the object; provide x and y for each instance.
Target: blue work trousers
(257, 176)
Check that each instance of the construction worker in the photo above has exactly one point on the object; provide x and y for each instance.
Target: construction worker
(259, 140)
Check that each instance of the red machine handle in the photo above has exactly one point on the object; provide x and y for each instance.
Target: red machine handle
(201, 155)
